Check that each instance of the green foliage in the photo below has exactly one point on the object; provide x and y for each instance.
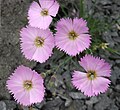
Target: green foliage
(81, 8)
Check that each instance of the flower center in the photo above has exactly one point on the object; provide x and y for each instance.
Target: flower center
(91, 75)
(44, 12)
(27, 84)
(72, 35)
(39, 42)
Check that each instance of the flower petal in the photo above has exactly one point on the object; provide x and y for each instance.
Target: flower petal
(82, 27)
(98, 65)
(15, 85)
(36, 19)
(46, 4)
(28, 47)
(53, 10)
(72, 46)
(89, 87)
(100, 85)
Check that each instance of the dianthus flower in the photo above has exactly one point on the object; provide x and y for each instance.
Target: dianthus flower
(26, 86)
(40, 15)
(95, 80)
(36, 44)
(72, 36)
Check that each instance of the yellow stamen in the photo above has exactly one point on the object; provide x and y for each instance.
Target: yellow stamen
(72, 35)
(27, 84)
(91, 75)
(44, 12)
(39, 42)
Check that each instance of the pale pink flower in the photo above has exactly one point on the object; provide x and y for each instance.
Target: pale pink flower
(36, 44)
(72, 36)
(26, 86)
(40, 15)
(95, 80)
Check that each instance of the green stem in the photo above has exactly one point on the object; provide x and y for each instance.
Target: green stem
(63, 63)
(81, 8)
(75, 63)
(113, 51)
(62, 7)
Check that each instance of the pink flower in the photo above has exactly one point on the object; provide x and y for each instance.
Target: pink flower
(26, 86)
(72, 36)
(95, 80)
(36, 44)
(39, 15)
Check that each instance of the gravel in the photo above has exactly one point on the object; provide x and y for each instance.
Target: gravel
(10, 54)
(77, 95)
(60, 93)
(2, 105)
